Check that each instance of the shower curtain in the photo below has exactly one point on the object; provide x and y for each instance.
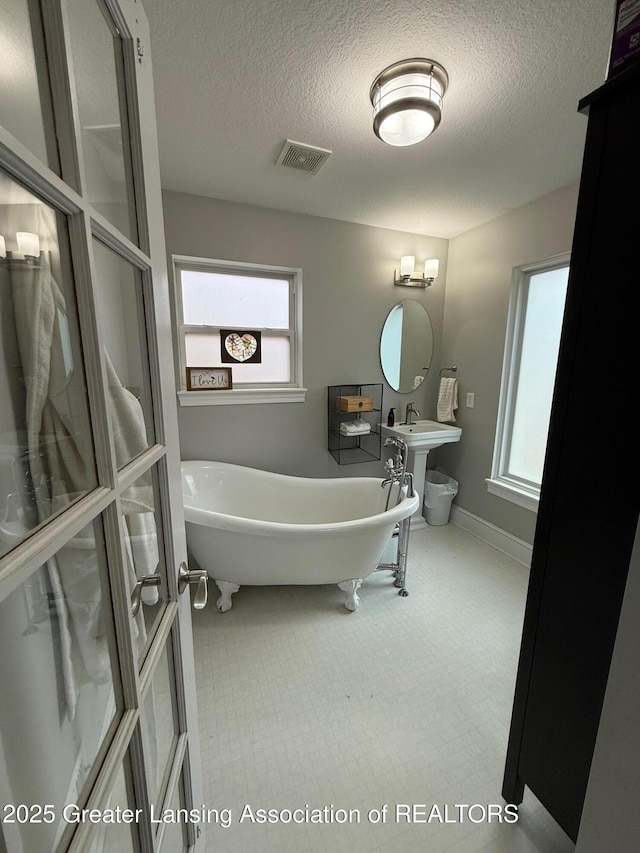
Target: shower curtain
(60, 467)
(57, 461)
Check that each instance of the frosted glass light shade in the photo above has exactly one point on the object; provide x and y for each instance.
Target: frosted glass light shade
(410, 278)
(431, 268)
(407, 265)
(407, 101)
(28, 244)
(406, 128)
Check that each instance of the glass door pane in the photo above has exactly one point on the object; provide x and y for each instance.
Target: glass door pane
(96, 51)
(159, 729)
(145, 555)
(24, 88)
(59, 699)
(121, 316)
(117, 836)
(173, 837)
(46, 444)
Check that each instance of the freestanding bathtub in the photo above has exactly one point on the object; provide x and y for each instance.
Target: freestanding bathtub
(246, 526)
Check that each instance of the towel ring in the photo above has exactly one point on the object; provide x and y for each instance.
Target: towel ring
(454, 368)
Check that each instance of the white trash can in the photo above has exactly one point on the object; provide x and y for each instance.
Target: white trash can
(439, 490)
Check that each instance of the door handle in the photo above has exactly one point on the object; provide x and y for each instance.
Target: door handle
(136, 595)
(198, 576)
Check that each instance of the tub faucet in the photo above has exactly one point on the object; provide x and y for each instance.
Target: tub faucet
(397, 470)
(410, 411)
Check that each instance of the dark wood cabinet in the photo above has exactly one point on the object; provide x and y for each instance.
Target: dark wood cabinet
(590, 496)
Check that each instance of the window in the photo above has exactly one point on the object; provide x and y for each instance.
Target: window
(534, 323)
(244, 316)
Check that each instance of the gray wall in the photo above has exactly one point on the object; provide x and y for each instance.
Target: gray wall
(347, 292)
(477, 299)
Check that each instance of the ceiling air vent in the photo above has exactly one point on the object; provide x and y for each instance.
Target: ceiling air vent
(307, 158)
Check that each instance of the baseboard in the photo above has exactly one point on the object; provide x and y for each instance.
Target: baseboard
(513, 547)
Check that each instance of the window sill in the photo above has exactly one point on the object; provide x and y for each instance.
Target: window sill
(520, 495)
(241, 396)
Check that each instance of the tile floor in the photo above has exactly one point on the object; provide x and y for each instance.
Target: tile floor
(405, 702)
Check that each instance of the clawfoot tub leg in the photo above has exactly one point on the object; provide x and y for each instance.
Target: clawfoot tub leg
(227, 589)
(350, 588)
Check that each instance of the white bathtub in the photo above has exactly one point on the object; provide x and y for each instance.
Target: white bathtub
(246, 526)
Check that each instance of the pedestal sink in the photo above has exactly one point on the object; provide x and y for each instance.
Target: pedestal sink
(421, 437)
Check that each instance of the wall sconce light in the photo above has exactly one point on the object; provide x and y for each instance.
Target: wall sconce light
(408, 276)
(407, 101)
(28, 244)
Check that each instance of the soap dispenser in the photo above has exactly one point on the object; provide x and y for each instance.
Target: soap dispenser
(391, 418)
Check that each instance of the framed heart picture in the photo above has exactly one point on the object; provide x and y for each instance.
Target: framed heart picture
(238, 347)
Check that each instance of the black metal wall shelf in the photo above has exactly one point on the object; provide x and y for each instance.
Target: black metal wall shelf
(350, 449)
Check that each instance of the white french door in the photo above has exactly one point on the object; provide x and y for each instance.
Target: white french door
(98, 737)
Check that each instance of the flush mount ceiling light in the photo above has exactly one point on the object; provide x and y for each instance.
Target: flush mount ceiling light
(407, 101)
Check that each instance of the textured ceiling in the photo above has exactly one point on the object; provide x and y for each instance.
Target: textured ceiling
(235, 78)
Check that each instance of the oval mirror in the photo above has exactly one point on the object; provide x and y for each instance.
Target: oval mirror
(406, 346)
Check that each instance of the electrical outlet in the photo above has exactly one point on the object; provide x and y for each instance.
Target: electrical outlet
(471, 400)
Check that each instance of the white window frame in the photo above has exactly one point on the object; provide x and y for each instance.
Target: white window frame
(275, 392)
(523, 492)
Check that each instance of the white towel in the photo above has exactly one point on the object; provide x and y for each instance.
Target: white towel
(355, 427)
(447, 399)
(130, 439)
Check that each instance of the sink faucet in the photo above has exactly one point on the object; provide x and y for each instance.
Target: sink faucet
(410, 411)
